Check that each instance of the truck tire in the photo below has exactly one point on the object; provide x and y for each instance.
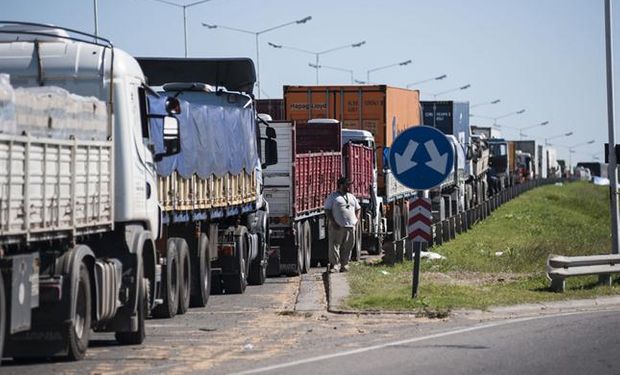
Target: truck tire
(185, 275)
(79, 329)
(201, 274)
(137, 338)
(169, 284)
(258, 268)
(3, 314)
(356, 252)
(299, 263)
(375, 246)
(236, 283)
(307, 246)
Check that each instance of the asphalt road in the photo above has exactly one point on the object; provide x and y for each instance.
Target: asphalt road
(565, 343)
(275, 329)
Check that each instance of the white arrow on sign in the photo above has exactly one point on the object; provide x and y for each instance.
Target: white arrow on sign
(403, 161)
(438, 162)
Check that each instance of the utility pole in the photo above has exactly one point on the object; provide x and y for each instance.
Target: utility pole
(96, 19)
(613, 170)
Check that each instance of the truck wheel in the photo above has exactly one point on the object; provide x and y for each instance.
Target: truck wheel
(3, 314)
(185, 275)
(307, 247)
(236, 284)
(375, 246)
(357, 246)
(79, 330)
(137, 338)
(170, 284)
(201, 274)
(258, 268)
(300, 251)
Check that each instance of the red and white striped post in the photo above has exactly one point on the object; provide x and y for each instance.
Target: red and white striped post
(420, 220)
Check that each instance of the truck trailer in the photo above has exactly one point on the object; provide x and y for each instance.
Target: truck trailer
(452, 118)
(212, 190)
(309, 164)
(384, 112)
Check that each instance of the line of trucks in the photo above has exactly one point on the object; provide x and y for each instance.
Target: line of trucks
(136, 187)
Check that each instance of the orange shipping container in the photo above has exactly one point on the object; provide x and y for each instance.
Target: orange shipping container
(383, 110)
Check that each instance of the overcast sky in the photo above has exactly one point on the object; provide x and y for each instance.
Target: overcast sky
(544, 56)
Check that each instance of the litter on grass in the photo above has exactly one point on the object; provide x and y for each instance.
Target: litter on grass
(431, 255)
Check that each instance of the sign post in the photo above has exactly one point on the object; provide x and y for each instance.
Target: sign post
(421, 158)
(419, 229)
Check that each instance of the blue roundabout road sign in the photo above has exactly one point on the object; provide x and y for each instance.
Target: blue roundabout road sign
(421, 157)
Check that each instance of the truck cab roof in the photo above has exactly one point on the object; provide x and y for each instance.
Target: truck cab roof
(357, 136)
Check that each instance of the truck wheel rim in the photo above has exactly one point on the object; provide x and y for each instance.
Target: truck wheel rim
(80, 314)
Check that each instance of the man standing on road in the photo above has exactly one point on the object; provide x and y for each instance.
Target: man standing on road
(343, 211)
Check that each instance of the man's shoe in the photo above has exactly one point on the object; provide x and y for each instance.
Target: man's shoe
(344, 268)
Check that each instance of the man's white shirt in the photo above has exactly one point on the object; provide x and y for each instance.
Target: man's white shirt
(343, 207)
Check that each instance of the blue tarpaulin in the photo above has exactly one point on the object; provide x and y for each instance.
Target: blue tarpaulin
(217, 135)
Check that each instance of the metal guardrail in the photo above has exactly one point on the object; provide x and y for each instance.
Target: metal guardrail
(560, 267)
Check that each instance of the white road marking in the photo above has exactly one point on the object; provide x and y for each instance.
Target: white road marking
(409, 341)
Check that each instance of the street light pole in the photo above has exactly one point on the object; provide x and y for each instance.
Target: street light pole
(557, 136)
(426, 80)
(571, 151)
(402, 63)
(184, 7)
(521, 134)
(485, 103)
(333, 68)
(465, 87)
(96, 18)
(256, 35)
(613, 170)
(508, 114)
(317, 53)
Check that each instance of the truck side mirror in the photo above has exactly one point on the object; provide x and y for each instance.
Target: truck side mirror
(173, 106)
(271, 152)
(172, 139)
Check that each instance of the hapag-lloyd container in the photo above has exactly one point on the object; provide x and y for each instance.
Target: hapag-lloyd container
(383, 110)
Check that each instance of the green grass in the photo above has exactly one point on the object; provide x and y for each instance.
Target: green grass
(572, 219)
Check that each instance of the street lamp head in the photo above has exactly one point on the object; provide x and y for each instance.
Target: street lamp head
(568, 134)
(315, 66)
(465, 87)
(405, 62)
(358, 44)
(441, 77)
(209, 26)
(495, 101)
(359, 82)
(520, 111)
(274, 45)
(590, 142)
(544, 123)
(304, 20)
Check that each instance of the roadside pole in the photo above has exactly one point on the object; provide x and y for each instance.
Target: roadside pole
(612, 168)
(420, 220)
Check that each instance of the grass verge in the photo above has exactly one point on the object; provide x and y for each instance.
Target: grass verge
(500, 261)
